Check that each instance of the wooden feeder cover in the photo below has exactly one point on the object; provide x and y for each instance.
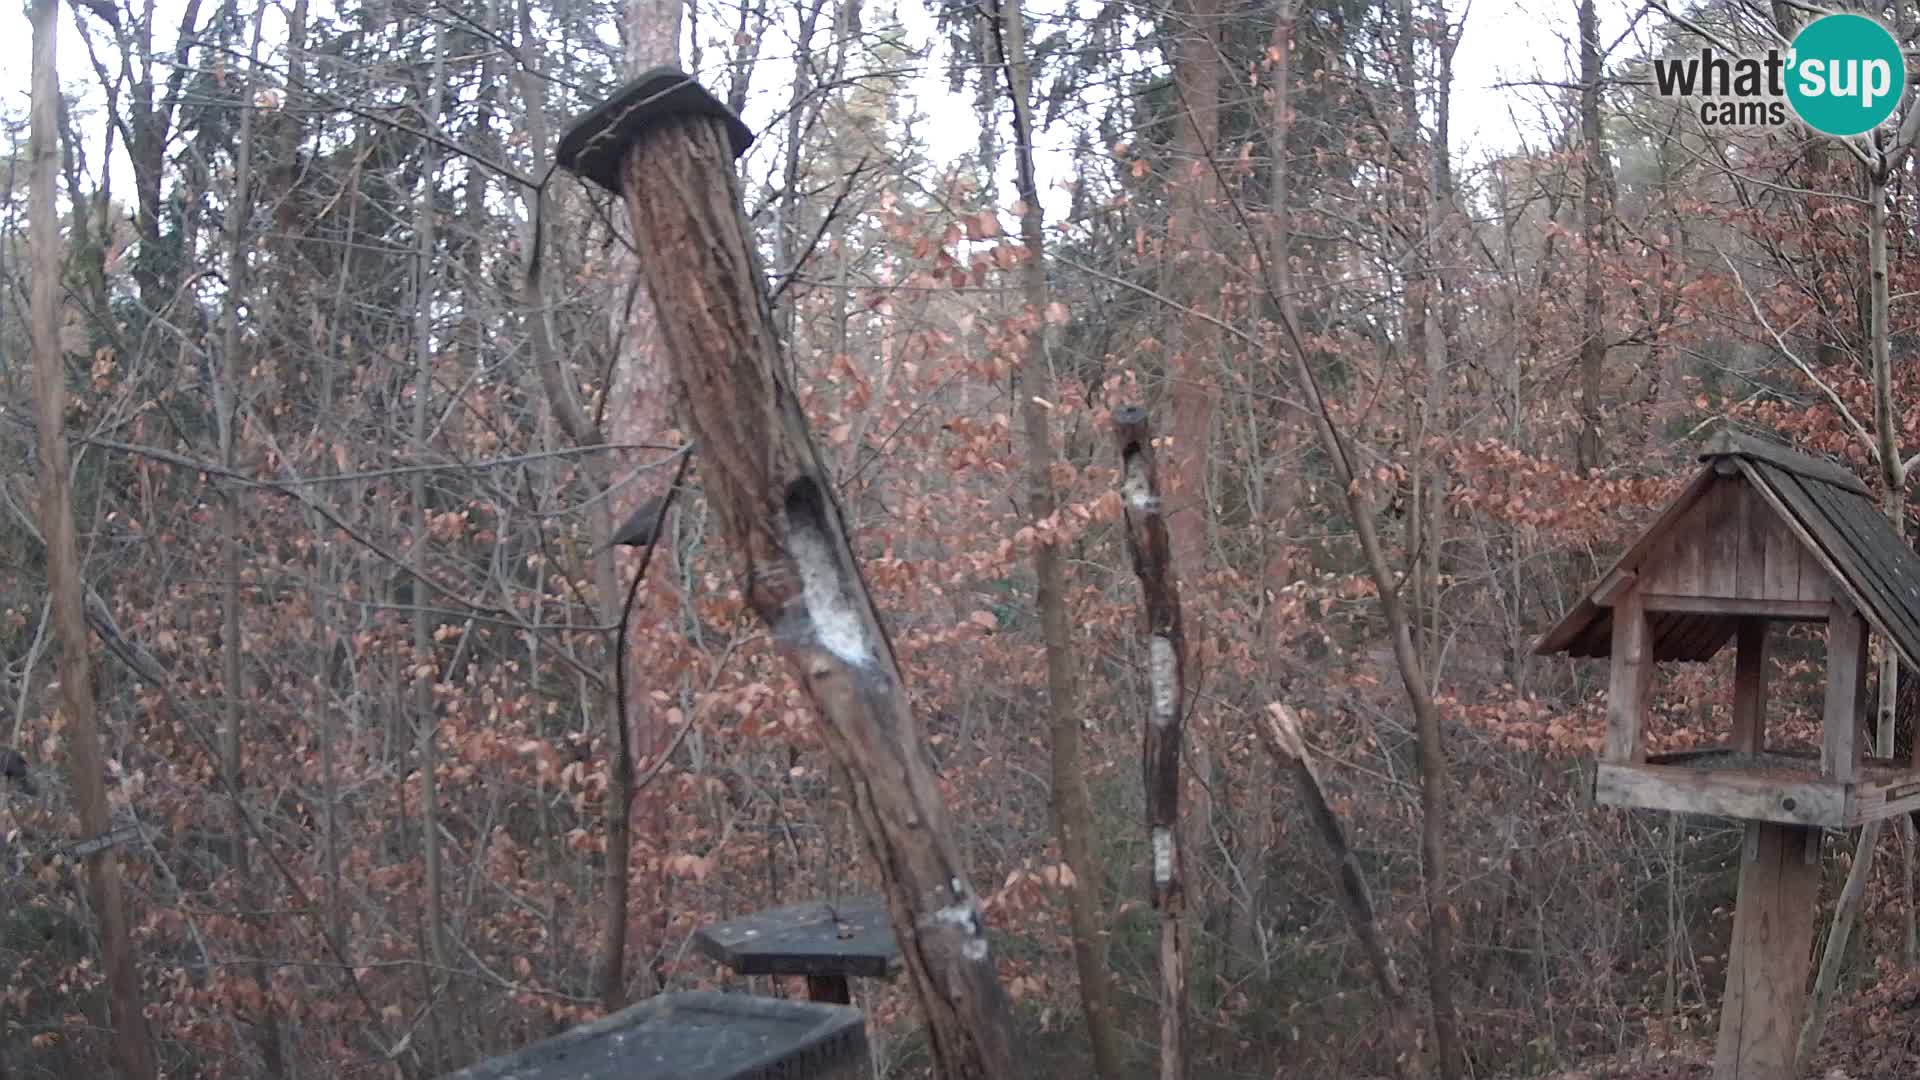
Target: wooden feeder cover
(595, 146)
(1761, 534)
(844, 937)
(698, 1035)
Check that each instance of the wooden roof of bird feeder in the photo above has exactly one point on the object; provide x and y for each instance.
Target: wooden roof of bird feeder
(1761, 534)
(698, 1035)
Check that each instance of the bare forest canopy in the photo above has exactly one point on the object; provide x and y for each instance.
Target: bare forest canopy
(348, 482)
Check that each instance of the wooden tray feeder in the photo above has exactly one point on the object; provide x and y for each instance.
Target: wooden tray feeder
(825, 940)
(1761, 534)
(697, 1036)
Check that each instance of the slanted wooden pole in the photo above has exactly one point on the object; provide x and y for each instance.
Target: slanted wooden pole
(667, 146)
(1166, 681)
(1766, 995)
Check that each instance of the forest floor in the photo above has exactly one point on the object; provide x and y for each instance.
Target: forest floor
(1873, 1035)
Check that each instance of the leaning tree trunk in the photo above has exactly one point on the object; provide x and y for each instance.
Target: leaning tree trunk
(776, 507)
(132, 1053)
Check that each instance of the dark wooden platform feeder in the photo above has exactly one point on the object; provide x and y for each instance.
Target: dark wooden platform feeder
(827, 941)
(697, 1036)
(1761, 535)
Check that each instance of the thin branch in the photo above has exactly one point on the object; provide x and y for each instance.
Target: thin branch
(1833, 396)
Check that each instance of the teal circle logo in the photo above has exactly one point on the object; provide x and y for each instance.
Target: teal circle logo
(1846, 74)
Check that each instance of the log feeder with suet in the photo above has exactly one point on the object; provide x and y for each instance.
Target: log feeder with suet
(667, 146)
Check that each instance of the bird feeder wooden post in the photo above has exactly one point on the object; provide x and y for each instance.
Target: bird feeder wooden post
(666, 146)
(1761, 535)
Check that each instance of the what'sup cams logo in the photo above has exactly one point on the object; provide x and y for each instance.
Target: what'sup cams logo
(1842, 75)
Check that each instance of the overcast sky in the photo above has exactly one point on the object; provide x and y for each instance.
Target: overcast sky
(1505, 41)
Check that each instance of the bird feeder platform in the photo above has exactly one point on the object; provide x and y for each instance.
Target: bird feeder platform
(697, 1036)
(827, 941)
(1761, 535)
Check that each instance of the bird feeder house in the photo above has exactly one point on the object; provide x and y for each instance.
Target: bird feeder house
(1761, 535)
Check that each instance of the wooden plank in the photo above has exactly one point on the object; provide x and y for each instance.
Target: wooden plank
(1721, 793)
(1883, 799)
(1794, 510)
(1766, 997)
(1627, 688)
(1785, 554)
(1750, 519)
(1797, 610)
(1846, 694)
(1611, 586)
(1719, 539)
(1750, 686)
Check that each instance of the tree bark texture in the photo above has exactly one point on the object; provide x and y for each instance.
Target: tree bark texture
(771, 495)
(640, 410)
(132, 1052)
(1593, 217)
(1198, 281)
(1152, 554)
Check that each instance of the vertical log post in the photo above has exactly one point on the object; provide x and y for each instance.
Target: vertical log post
(1631, 672)
(1750, 685)
(1846, 699)
(1766, 996)
(1166, 678)
(667, 147)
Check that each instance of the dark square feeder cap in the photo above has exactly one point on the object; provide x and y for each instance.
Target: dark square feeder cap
(596, 144)
(848, 936)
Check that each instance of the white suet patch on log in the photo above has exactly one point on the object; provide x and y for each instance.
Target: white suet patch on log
(1162, 855)
(837, 626)
(1162, 669)
(1138, 492)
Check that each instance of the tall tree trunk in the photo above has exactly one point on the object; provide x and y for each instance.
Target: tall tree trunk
(1191, 258)
(1893, 475)
(1032, 381)
(640, 411)
(1431, 750)
(132, 1051)
(233, 678)
(423, 673)
(1280, 492)
(1595, 184)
